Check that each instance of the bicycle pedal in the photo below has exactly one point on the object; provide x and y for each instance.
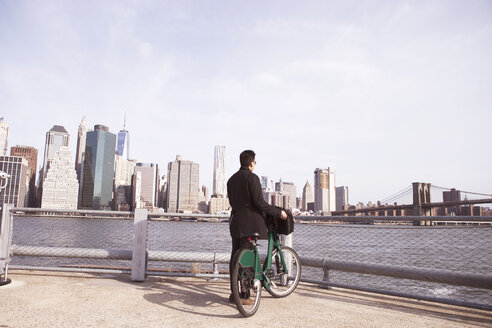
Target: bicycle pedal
(269, 273)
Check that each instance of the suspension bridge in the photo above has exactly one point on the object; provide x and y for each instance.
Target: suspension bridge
(422, 205)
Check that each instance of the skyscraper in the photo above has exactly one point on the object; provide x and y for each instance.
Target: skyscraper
(219, 187)
(31, 155)
(146, 177)
(324, 190)
(307, 196)
(123, 174)
(98, 169)
(60, 187)
(81, 137)
(264, 183)
(4, 136)
(182, 186)
(342, 197)
(15, 190)
(56, 138)
(123, 146)
(289, 191)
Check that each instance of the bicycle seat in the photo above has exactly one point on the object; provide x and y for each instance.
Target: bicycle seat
(250, 235)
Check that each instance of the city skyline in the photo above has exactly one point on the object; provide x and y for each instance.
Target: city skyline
(375, 91)
(62, 130)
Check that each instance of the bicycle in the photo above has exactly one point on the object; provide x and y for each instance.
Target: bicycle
(279, 274)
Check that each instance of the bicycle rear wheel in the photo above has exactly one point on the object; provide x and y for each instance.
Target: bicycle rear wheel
(281, 283)
(246, 290)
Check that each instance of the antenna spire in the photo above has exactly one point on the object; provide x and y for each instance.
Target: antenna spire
(124, 123)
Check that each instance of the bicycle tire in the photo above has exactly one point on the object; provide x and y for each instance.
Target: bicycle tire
(244, 283)
(282, 285)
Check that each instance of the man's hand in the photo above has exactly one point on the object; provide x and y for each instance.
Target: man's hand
(283, 215)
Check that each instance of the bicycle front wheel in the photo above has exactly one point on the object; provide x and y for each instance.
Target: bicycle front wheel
(282, 283)
(246, 290)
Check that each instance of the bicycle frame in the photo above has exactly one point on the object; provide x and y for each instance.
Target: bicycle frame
(252, 259)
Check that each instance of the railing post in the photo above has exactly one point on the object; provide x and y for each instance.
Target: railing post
(215, 267)
(287, 240)
(326, 275)
(5, 241)
(139, 254)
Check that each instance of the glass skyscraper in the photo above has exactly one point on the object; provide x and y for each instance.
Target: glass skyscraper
(98, 169)
(123, 148)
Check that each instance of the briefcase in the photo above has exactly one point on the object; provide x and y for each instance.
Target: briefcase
(285, 227)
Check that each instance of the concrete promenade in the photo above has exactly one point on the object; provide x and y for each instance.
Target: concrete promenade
(53, 299)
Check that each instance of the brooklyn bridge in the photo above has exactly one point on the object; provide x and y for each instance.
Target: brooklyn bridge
(422, 204)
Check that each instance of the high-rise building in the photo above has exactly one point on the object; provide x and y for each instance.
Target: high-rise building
(307, 196)
(324, 191)
(123, 145)
(123, 198)
(16, 187)
(81, 137)
(203, 200)
(31, 155)
(289, 190)
(220, 187)
(264, 183)
(4, 136)
(56, 138)
(124, 170)
(452, 195)
(342, 197)
(146, 185)
(218, 205)
(60, 186)
(98, 169)
(162, 192)
(182, 186)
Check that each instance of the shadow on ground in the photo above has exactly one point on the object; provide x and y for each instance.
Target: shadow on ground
(434, 310)
(193, 298)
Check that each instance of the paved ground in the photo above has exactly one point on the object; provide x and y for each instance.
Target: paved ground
(40, 299)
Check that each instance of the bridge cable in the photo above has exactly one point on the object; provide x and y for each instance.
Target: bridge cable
(465, 192)
(397, 194)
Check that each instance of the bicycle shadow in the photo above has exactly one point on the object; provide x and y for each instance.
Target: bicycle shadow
(191, 297)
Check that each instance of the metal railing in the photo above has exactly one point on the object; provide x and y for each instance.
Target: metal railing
(391, 255)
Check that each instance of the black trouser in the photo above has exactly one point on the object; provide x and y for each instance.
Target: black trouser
(237, 244)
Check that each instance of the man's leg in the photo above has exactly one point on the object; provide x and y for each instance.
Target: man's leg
(237, 244)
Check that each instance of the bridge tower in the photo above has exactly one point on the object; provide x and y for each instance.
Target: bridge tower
(421, 195)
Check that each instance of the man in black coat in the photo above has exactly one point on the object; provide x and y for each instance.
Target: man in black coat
(248, 206)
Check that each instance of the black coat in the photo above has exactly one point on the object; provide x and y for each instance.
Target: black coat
(248, 206)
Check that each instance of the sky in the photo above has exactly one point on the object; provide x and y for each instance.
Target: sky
(384, 92)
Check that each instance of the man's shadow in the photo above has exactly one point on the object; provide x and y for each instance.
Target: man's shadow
(191, 296)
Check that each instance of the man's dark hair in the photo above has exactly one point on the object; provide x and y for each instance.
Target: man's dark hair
(246, 158)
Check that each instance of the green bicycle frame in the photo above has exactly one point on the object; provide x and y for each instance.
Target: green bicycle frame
(251, 259)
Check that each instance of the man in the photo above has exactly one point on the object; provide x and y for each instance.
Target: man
(248, 206)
